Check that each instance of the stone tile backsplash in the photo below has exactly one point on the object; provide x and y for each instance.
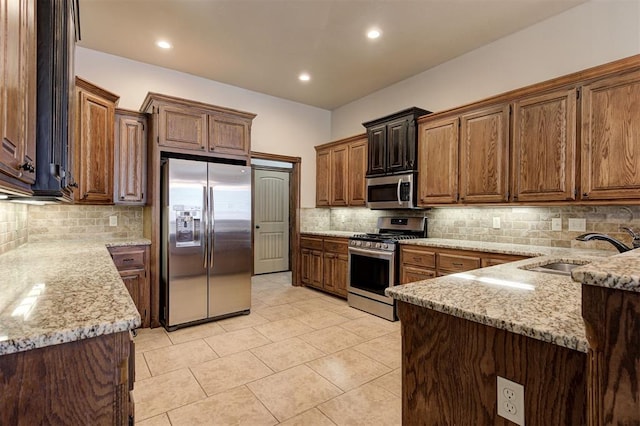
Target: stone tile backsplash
(13, 226)
(518, 225)
(76, 222)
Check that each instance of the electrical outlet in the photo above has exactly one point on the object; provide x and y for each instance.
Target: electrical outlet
(510, 400)
(578, 225)
(113, 220)
(556, 224)
(496, 222)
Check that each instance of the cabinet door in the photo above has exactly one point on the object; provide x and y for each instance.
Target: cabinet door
(357, 169)
(484, 155)
(182, 128)
(438, 159)
(229, 135)
(377, 140)
(611, 138)
(410, 274)
(17, 89)
(340, 274)
(329, 266)
(397, 145)
(305, 266)
(136, 282)
(94, 149)
(323, 173)
(130, 159)
(316, 269)
(339, 181)
(544, 147)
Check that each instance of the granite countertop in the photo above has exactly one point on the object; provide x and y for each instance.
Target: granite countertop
(621, 272)
(339, 234)
(540, 305)
(59, 292)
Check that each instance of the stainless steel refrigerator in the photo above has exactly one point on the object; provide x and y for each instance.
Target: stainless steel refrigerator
(206, 241)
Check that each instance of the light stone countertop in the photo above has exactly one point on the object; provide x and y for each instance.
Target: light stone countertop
(540, 305)
(621, 272)
(59, 292)
(339, 234)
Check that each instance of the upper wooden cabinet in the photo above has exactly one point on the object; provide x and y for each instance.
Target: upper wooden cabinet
(438, 159)
(544, 147)
(611, 138)
(484, 155)
(93, 159)
(192, 127)
(392, 142)
(340, 172)
(130, 157)
(356, 171)
(17, 95)
(58, 30)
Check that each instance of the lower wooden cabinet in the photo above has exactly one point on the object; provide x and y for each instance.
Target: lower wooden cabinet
(133, 264)
(420, 263)
(86, 382)
(324, 263)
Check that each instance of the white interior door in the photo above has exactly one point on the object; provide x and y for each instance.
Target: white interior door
(271, 221)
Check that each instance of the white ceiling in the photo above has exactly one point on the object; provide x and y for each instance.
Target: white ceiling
(263, 45)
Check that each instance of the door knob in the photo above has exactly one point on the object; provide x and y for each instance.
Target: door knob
(257, 226)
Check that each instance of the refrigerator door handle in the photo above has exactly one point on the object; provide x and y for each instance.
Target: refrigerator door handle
(212, 227)
(205, 225)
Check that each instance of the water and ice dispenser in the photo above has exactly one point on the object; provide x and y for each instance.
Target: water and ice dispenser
(187, 226)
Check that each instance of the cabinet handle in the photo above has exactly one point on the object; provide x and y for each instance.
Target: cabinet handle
(73, 185)
(457, 264)
(584, 194)
(27, 166)
(129, 259)
(85, 195)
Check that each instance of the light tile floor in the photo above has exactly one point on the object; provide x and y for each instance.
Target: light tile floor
(300, 358)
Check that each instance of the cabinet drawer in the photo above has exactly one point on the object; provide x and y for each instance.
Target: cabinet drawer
(418, 257)
(411, 274)
(311, 243)
(452, 263)
(129, 260)
(336, 246)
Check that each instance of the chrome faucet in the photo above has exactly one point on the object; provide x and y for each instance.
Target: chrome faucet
(617, 244)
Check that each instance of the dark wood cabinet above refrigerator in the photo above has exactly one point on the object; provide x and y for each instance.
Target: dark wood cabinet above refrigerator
(393, 142)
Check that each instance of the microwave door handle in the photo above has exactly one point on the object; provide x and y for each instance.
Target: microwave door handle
(205, 208)
(398, 191)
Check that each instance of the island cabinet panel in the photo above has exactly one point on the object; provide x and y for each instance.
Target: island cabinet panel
(94, 143)
(450, 367)
(611, 138)
(544, 147)
(130, 158)
(438, 159)
(612, 320)
(484, 155)
(86, 382)
(17, 94)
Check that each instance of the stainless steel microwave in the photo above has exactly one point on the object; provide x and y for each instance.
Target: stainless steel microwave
(391, 192)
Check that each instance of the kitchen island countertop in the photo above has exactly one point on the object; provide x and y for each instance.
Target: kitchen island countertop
(59, 292)
(540, 305)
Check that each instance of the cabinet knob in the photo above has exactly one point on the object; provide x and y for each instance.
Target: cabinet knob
(585, 194)
(73, 185)
(27, 166)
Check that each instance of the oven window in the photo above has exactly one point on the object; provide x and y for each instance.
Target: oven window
(369, 273)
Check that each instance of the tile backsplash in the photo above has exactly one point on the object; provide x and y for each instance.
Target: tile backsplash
(13, 225)
(76, 222)
(518, 225)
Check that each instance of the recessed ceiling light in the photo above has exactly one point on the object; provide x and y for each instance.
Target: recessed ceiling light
(373, 33)
(163, 44)
(304, 77)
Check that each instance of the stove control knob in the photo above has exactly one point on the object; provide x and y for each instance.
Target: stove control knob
(385, 246)
(378, 245)
(367, 244)
(358, 243)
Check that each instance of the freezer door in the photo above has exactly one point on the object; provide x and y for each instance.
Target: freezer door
(186, 261)
(230, 236)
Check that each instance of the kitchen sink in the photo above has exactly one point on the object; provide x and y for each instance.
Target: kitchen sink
(556, 267)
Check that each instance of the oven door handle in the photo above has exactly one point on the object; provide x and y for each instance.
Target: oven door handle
(398, 191)
(372, 253)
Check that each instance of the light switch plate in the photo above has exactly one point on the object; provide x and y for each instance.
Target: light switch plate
(496, 222)
(113, 220)
(556, 224)
(578, 225)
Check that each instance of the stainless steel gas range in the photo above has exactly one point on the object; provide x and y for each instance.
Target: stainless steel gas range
(374, 263)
